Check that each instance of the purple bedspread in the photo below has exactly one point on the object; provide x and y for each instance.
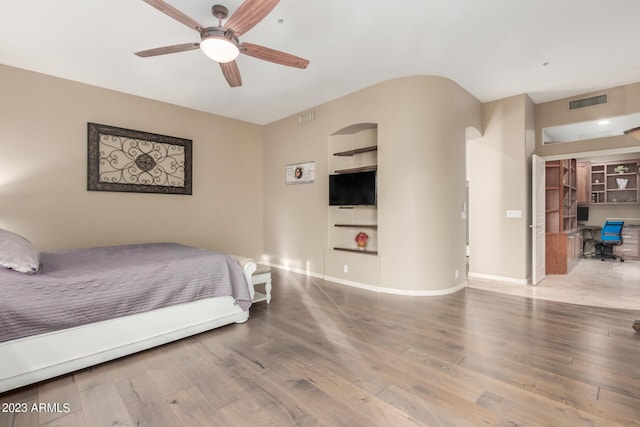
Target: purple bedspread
(81, 286)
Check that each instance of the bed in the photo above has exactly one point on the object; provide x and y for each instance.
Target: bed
(67, 310)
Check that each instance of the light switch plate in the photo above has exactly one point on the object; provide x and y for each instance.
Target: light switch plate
(514, 214)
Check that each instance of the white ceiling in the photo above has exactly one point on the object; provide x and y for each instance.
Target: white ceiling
(492, 48)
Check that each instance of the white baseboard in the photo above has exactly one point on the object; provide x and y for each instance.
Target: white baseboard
(394, 291)
(424, 293)
(498, 278)
(373, 288)
(365, 286)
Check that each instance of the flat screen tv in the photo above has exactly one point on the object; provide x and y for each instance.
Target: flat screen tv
(358, 188)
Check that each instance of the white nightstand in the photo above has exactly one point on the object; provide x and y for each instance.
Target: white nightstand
(262, 275)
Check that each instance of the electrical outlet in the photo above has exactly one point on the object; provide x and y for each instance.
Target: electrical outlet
(345, 268)
(456, 274)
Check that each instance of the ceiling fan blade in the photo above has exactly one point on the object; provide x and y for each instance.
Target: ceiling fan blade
(272, 55)
(168, 49)
(171, 11)
(248, 14)
(231, 73)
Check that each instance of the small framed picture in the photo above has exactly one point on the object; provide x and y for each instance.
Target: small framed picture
(300, 173)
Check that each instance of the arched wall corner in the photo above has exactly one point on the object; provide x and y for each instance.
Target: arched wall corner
(422, 184)
(355, 128)
(472, 133)
(421, 128)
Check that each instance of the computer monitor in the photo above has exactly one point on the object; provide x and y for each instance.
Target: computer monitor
(583, 214)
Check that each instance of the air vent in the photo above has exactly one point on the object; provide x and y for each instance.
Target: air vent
(587, 102)
(306, 117)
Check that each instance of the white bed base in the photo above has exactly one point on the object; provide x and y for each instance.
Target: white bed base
(28, 360)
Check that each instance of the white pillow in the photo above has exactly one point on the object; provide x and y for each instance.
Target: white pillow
(17, 253)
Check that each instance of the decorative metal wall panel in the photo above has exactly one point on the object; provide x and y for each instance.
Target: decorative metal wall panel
(134, 161)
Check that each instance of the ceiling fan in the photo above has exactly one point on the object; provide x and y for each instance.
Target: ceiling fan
(221, 43)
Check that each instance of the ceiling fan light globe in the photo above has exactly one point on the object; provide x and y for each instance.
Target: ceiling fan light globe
(219, 49)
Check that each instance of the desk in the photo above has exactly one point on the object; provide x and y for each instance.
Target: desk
(629, 249)
(563, 251)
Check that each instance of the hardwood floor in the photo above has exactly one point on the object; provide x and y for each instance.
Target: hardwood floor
(323, 354)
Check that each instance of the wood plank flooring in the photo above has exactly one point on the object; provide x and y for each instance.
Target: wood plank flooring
(323, 354)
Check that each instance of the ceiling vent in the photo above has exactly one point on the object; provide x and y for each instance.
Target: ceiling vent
(587, 102)
(306, 117)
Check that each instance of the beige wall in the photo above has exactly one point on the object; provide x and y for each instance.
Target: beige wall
(43, 171)
(499, 247)
(421, 176)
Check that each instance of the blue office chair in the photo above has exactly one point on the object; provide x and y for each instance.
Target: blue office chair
(611, 236)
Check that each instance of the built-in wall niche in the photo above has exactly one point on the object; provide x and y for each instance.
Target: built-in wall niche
(353, 150)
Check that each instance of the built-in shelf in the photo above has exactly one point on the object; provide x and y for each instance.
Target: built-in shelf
(360, 169)
(374, 226)
(356, 151)
(562, 238)
(604, 183)
(360, 251)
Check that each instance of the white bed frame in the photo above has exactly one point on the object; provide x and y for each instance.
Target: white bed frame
(31, 359)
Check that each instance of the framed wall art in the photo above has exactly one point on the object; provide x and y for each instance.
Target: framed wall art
(133, 161)
(300, 173)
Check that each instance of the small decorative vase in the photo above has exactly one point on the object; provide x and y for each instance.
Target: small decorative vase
(361, 240)
(622, 183)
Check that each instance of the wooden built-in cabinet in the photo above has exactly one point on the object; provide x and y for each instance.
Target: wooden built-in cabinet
(614, 182)
(630, 248)
(563, 251)
(597, 185)
(563, 240)
(583, 187)
(561, 206)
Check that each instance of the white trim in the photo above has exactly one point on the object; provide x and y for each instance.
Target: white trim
(394, 291)
(372, 288)
(499, 278)
(424, 293)
(366, 287)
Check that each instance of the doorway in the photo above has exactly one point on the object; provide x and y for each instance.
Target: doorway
(598, 213)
